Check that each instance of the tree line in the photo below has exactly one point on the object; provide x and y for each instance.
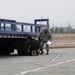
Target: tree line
(62, 30)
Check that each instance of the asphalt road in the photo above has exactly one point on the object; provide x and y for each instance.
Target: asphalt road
(58, 62)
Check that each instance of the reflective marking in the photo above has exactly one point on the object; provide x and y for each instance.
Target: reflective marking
(56, 57)
(25, 72)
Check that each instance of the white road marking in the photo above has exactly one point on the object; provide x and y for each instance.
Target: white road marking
(56, 57)
(25, 72)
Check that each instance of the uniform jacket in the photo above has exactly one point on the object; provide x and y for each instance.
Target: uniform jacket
(45, 35)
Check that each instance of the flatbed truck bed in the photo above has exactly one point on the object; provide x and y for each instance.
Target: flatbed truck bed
(14, 34)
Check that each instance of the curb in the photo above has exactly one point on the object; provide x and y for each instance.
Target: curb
(62, 46)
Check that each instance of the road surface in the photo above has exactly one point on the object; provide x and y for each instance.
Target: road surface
(58, 62)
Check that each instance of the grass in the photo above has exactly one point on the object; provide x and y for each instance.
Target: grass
(63, 41)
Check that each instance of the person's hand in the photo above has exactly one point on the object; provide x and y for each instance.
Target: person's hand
(39, 39)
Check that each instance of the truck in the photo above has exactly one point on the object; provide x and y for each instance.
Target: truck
(13, 34)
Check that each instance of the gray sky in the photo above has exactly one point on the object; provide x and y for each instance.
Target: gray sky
(59, 12)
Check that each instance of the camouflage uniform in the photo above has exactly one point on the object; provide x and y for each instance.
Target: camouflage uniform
(43, 36)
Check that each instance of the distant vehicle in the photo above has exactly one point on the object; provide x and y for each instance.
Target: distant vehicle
(13, 34)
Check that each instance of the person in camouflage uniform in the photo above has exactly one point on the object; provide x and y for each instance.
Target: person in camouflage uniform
(43, 36)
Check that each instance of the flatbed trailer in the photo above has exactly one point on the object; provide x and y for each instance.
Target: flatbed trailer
(13, 35)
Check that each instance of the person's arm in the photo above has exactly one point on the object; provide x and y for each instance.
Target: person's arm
(39, 36)
(50, 36)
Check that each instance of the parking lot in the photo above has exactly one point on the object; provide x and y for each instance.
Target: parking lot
(58, 62)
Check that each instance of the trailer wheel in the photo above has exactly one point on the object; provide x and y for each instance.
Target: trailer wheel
(5, 51)
(25, 48)
(9, 50)
(20, 49)
(1, 52)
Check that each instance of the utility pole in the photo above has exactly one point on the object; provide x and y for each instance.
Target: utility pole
(69, 31)
(53, 28)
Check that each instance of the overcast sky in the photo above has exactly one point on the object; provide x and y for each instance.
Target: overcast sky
(59, 12)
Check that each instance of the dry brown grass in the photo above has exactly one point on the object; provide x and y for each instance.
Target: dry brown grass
(63, 41)
(63, 38)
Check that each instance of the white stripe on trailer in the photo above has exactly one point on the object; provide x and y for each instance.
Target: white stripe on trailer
(13, 37)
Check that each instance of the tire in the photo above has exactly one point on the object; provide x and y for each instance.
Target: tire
(20, 49)
(25, 48)
(5, 51)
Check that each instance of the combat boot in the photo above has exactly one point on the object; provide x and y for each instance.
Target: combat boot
(42, 52)
(47, 52)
